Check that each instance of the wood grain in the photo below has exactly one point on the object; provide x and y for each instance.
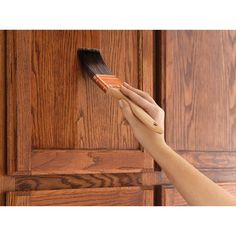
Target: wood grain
(22, 199)
(197, 70)
(77, 162)
(206, 160)
(2, 103)
(171, 197)
(11, 107)
(18, 86)
(60, 107)
(123, 196)
(69, 111)
(2, 113)
(200, 98)
(53, 182)
(145, 179)
(158, 178)
(7, 183)
(59, 122)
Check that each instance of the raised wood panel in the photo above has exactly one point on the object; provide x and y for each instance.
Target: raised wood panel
(70, 162)
(171, 197)
(207, 160)
(53, 106)
(199, 91)
(68, 110)
(123, 196)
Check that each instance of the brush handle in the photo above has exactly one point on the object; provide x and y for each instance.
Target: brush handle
(138, 111)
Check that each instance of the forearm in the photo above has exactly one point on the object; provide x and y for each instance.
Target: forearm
(195, 187)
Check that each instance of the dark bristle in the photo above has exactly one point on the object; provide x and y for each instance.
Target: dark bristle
(92, 62)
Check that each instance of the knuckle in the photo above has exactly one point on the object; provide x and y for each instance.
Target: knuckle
(151, 108)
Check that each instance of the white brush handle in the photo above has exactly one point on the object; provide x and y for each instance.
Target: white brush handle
(138, 111)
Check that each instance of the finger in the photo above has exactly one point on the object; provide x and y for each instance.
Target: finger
(137, 99)
(140, 92)
(128, 114)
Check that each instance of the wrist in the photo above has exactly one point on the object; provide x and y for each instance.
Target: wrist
(160, 151)
(155, 147)
(162, 147)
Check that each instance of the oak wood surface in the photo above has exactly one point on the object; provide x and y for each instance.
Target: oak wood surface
(200, 98)
(60, 123)
(2, 113)
(145, 179)
(77, 162)
(6, 182)
(214, 160)
(47, 182)
(19, 105)
(171, 197)
(119, 196)
(60, 107)
(197, 70)
(69, 111)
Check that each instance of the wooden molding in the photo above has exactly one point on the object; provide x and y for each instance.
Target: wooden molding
(18, 103)
(210, 160)
(145, 179)
(119, 196)
(81, 162)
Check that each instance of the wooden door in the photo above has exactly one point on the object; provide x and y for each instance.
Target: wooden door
(60, 122)
(199, 97)
(66, 139)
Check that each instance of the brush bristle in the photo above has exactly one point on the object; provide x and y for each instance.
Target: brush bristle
(92, 62)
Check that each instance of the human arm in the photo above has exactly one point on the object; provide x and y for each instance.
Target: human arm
(195, 187)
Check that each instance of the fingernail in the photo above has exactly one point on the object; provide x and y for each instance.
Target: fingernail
(121, 103)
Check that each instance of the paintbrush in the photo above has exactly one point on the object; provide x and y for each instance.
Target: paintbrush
(94, 65)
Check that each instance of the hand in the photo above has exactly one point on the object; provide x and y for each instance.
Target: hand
(147, 138)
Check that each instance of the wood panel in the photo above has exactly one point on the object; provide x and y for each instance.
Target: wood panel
(18, 92)
(53, 182)
(75, 110)
(171, 197)
(199, 91)
(7, 183)
(2, 113)
(73, 161)
(207, 160)
(124, 196)
(145, 179)
(63, 111)
(197, 70)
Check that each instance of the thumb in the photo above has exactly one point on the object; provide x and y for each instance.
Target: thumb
(127, 112)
